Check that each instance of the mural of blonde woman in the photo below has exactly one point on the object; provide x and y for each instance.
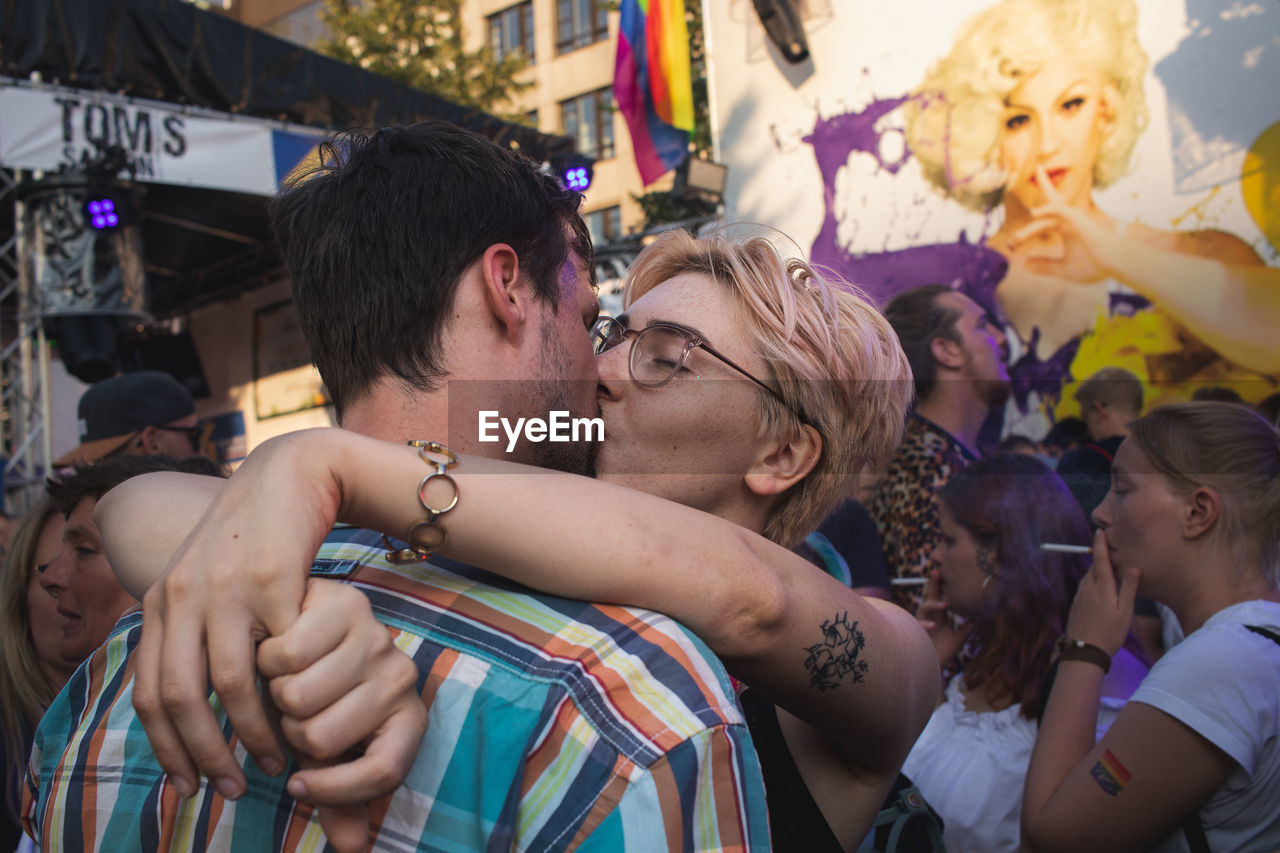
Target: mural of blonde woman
(1037, 106)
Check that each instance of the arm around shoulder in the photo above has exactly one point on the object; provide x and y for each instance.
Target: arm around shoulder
(144, 520)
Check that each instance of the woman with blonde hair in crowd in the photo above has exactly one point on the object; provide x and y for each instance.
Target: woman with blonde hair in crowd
(971, 760)
(1193, 761)
(31, 670)
(1038, 105)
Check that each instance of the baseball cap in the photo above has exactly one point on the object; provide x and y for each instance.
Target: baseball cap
(113, 409)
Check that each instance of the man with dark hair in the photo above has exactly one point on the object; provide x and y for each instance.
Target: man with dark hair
(374, 289)
(1066, 434)
(79, 576)
(436, 276)
(957, 355)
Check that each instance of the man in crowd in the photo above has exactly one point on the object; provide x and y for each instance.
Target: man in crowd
(957, 357)
(1110, 400)
(137, 413)
(79, 576)
(436, 275)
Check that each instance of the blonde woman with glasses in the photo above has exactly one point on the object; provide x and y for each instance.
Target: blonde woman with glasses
(1037, 106)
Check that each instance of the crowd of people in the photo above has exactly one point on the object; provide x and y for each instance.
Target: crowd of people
(395, 634)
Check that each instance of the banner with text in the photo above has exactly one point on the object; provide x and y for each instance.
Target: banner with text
(48, 127)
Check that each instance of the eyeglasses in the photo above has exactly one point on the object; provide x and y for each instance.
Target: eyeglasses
(193, 433)
(659, 350)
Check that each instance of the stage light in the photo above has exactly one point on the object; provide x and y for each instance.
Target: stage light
(577, 178)
(102, 213)
(573, 170)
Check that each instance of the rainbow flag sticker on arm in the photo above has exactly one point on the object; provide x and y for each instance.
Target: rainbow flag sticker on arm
(652, 85)
(1110, 774)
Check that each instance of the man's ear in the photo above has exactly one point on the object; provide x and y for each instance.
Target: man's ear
(507, 298)
(782, 464)
(947, 352)
(149, 440)
(1200, 513)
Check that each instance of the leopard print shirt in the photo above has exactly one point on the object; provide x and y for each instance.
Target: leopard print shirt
(905, 507)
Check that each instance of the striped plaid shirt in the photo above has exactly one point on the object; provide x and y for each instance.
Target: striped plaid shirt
(554, 725)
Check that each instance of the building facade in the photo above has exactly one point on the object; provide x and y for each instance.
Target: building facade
(571, 46)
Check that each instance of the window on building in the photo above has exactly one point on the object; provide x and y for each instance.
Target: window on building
(605, 224)
(589, 120)
(580, 23)
(300, 26)
(511, 30)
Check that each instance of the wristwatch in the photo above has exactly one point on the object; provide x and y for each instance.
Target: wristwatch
(1069, 649)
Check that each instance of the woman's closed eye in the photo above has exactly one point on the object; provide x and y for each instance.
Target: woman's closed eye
(1017, 122)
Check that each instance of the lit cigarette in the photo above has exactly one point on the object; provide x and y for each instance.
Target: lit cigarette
(908, 581)
(1060, 548)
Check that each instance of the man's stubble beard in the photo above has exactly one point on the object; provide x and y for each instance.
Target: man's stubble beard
(572, 457)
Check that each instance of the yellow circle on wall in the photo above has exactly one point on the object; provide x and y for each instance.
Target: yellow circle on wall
(1260, 183)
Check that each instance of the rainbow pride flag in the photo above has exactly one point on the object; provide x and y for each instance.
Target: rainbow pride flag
(652, 85)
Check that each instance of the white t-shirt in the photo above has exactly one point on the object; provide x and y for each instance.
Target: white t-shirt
(971, 767)
(1223, 682)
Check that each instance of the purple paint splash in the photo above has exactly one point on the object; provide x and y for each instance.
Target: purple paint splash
(971, 268)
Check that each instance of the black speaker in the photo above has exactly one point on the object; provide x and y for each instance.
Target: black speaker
(781, 21)
(175, 354)
(87, 344)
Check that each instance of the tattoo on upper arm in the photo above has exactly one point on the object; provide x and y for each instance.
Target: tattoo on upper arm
(836, 657)
(1110, 774)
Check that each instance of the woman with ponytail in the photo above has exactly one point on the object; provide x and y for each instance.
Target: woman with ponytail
(1193, 761)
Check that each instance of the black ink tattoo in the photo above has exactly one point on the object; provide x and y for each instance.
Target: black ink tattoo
(836, 657)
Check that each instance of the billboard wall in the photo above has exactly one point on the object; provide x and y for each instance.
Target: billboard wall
(1104, 176)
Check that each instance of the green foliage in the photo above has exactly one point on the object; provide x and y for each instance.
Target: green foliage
(701, 137)
(663, 206)
(420, 43)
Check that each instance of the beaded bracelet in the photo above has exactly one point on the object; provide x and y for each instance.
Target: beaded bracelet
(428, 536)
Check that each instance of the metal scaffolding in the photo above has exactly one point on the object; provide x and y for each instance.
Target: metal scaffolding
(26, 411)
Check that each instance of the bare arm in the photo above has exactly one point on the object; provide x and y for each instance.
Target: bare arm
(1231, 305)
(145, 520)
(144, 523)
(1136, 785)
(1211, 282)
(863, 672)
(1143, 778)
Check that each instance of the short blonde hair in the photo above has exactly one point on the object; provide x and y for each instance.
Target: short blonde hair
(828, 351)
(956, 116)
(1111, 386)
(1234, 451)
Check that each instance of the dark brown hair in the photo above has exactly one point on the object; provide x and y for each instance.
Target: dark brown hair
(95, 479)
(918, 319)
(377, 234)
(1010, 503)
